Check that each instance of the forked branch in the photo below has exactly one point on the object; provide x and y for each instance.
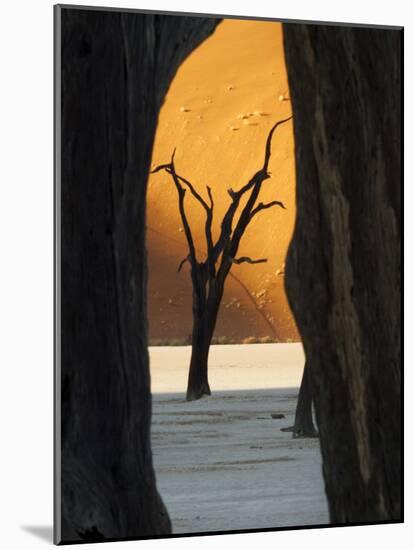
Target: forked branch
(228, 241)
(254, 183)
(196, 195)
(179, 180)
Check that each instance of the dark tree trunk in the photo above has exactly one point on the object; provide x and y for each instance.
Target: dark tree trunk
(116, 69)
(198, 385)
(205, 313)
(343, 266)
(303, 426)
(200, 345)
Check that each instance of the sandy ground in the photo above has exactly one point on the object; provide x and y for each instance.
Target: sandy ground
(222, 463)
(238, 71)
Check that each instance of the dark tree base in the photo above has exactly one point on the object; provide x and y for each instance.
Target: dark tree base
(304, 426)
(301, 434)
(197, 393)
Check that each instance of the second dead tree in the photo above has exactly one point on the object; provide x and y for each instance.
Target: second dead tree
(208, 277)
(303, 426)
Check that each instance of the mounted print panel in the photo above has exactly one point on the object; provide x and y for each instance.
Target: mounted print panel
(228, 274)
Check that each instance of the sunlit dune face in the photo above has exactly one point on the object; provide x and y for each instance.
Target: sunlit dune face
(218, 112)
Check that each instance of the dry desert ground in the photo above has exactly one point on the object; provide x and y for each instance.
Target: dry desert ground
(222, 462)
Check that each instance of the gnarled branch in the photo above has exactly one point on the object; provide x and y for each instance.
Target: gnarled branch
(247, 260)
(178, 180)
(226, 225)
(196, 195)
(181, 195)
(161, 167)
(211, 264)
(264, 206)
(254, 183)
(269, 142)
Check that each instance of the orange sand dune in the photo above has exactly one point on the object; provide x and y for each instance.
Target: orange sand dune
(239, 71)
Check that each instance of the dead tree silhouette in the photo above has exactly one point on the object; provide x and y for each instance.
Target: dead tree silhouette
(209, 276)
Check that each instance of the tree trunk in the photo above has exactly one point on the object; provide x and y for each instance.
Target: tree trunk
(205, 312)
(198, 385)
(116, 68)
(303, 426)
(343, 265)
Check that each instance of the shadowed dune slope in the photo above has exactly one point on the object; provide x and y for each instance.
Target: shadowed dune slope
(238, 72)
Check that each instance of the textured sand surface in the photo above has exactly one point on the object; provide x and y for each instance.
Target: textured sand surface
(222, 462)
(239, 71)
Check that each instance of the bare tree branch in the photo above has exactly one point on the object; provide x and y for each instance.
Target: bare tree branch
(193, 192)
(254, 182)
(210, 196)
(165, 166)
(196, 195)
(226, 226)
(269, 142)
(209, 219)
(161, 167)
(186, 259)
(170, 169)
(247, 260)
(211, 264)
(229, 242)
(181, 195)
(263, 206)
(233, 244)
(214, 251)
